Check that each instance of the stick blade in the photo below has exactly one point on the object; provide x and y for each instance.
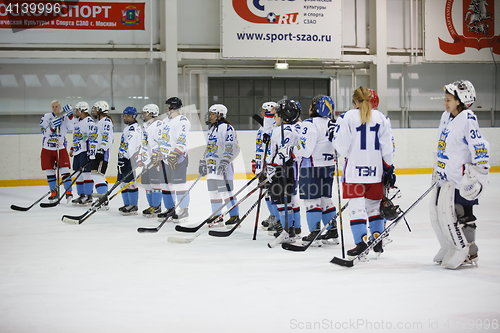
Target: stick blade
(49, 204)
(293, 247)
(20, 209)
(178, 240)
(188, 229)
(342, 262)
(147, 230)
(220, 233)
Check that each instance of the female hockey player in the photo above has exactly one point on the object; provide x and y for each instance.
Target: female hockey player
(462, 175)
(216, 162)
(262, 140)
(282, 169)
(317, 168)
(54, 156)
(130, 143)
(151, 179)
(172, 152)
(83, 128)
(100, 148)
(363, 135)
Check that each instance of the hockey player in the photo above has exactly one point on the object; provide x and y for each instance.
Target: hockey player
(462, 175)
(317, 169)
(151, 179)
(216, 162)
(54, 126)
(130, 144)
(83, 128)
(100, 148)
(173, 153)
(281, 163)
(262, 140)
(363, 135)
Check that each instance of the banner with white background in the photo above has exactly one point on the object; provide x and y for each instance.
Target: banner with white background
(270, 29)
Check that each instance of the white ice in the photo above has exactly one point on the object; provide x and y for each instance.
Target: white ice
(103, 276)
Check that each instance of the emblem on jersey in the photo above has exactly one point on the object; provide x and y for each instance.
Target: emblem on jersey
(182, 139)
(442, 144)
(481, 151)
(478, 26)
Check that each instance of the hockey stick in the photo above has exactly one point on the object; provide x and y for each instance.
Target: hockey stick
(169, 213)
(373, 243)
(301, 248)
(260, 193)
(212, 221)
(213, 216)
(53, 204)
(95, 207)
(229, 232)
(24, 209)
(340, 203)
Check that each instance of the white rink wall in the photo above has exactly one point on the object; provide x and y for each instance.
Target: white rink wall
(414, 147)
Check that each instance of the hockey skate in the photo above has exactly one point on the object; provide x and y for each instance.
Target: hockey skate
(270, 221)
(87, 200)
(379, 248)
(215, 222)
(171, 218)
(128, 210)
(471, 260)
(79, 200)
(298, 233)
(307, 239)
(69, 197)
(152, 211)
(331, 237)
(232, 221)
(181, 217)
(354, 252)
(53, 196)
(275, 227)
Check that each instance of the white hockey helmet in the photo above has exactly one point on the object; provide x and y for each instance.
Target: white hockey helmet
(151, 109)
(220, 109)
(463, 90)
(101, 106)
(82, 106)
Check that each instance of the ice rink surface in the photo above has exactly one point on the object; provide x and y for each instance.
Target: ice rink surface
(103, 276)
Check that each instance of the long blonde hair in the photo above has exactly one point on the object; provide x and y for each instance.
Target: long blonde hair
(362, 95)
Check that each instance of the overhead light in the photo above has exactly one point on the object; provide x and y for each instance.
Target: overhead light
(281, 65)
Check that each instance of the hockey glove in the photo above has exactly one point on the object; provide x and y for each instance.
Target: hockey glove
(266, 138)
(473, 182)
(68, 111)
(223, 166)
(331, 130)
(389, 176)
(99, 156)
(138, 160)
(202, 168)
(55, 123)
(173, 158)
(285, 152)
(254, 166)
(270, 172)
(156, 157)
(121, 165)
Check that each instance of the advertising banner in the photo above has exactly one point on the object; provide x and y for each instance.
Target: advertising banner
(21, 15)
(462, 30)
(291, 29)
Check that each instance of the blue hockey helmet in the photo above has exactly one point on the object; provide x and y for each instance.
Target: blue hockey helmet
(325, 106)
(131, 111)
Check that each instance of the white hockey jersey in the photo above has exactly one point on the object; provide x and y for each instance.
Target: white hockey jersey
(268, 124)
(175, 136)
(459, 142)
(151, 133)
(130, 141)
(81, 133)
(102, 137)
(315, 149)
(222, 144)
(291, 135)
(366, 147)
(51, 140)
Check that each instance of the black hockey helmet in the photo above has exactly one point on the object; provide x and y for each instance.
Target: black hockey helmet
(288, 110)
(388, 210)
(173, 103)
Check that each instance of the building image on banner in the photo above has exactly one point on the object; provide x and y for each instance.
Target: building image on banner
(462, 30)
(281, 29)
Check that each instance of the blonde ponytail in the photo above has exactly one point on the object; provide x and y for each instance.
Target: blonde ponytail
(362, 95)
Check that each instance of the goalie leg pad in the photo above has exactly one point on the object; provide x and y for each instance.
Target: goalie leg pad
(452, 229)
(436, 226)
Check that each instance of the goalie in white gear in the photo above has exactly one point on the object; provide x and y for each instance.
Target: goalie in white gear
(462, 175)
